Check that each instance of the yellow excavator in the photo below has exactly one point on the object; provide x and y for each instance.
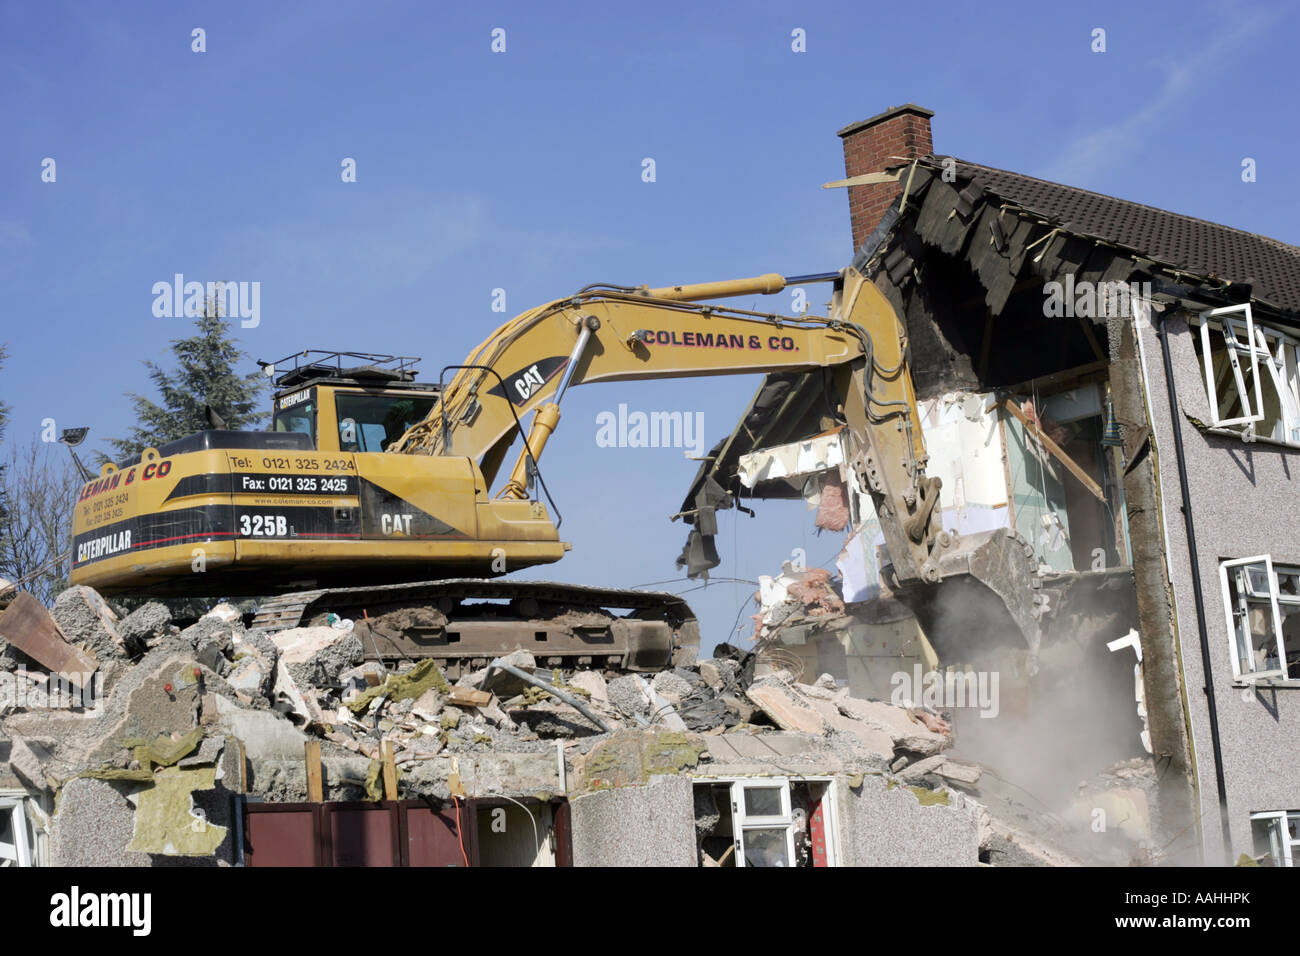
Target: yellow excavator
(373, 498)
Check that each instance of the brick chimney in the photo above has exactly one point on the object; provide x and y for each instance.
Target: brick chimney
(898, 135)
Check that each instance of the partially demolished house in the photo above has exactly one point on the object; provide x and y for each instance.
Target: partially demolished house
(1117, 386)
(1114, 385)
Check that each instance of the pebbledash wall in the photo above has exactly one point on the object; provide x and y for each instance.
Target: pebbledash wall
(1243, 501)
(878, 822)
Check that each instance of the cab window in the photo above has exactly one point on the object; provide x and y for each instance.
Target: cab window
(373, 422)
(297, 413)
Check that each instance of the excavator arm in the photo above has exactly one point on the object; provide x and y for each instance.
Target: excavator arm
(613, 335)
(609, 334)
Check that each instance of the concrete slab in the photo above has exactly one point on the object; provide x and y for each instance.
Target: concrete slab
(86, 619)
(265, 734)
(907, 733)
(788, 711)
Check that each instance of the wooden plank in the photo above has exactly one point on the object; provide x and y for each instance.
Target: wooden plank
(468, 697)
(390, 769)
(315, 783)
(28, 626)
(1121, 547)
(1057, 451)
(1006, 474)
(866, 179)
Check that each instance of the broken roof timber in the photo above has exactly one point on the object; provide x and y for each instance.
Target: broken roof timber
(1182, 244)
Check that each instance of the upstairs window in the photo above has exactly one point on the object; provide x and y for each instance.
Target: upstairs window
(1251, 375)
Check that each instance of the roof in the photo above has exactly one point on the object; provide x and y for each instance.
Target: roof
(1188, 244)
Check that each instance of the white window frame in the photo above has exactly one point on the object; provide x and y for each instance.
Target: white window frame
(1275, 600)
(1281, 366)
(1285, 850)
(741, 822)
(22, 851)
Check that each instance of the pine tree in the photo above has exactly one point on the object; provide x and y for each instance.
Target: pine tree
(205, 376)
(4, 409)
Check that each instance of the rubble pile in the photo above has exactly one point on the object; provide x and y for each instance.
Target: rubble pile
(174, 719)
(316, 680)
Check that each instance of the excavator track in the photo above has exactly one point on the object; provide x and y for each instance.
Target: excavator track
(465, 622)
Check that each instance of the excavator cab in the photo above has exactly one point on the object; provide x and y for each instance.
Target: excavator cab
(346, 407)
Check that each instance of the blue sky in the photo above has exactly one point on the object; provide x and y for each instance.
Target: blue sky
(522, 171)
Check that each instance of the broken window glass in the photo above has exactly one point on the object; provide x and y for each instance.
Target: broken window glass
(1255, 608)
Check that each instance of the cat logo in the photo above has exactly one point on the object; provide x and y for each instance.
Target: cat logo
(525, 383)
(395, 524)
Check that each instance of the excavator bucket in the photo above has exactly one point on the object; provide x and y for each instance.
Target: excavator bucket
(989, 594)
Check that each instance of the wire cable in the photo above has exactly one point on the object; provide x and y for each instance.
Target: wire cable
(537, 840)
(460, 831)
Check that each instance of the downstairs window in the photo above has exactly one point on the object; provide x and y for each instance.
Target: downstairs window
(1262, 603)
(1277, 836)
(19, 840)
(765, 821)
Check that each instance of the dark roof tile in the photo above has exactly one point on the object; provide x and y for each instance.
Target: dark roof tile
(1193, 245)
